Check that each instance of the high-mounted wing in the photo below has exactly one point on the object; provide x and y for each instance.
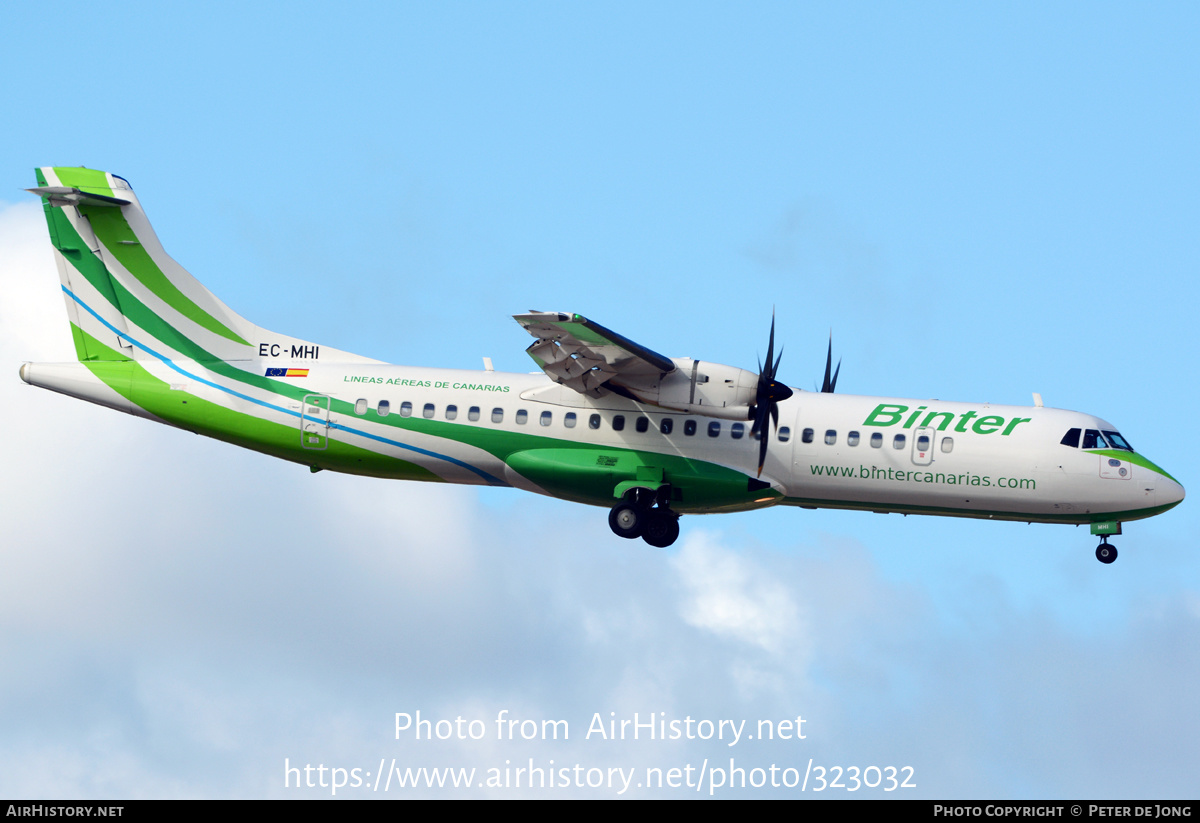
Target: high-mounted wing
(583, 355)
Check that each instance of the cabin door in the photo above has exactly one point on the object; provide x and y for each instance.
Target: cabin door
(314, 421)
(922, 453)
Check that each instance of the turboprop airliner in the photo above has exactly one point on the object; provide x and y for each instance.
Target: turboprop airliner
(606, 421)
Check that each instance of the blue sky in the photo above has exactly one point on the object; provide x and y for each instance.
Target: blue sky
(981, 201)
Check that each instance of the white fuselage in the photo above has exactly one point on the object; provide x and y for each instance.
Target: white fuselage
(863, 453)
(829, 450)
(840, 451)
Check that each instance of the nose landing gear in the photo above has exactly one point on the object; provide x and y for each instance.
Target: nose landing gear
(645, 514)
(1105, 529)
(1105, 552)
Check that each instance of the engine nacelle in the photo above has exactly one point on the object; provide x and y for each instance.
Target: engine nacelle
(710, 389)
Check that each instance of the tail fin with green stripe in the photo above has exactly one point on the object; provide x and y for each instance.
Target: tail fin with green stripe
(121, 287)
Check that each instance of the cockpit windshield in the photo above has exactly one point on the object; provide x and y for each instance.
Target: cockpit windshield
(1095, 439)
(1117, 441)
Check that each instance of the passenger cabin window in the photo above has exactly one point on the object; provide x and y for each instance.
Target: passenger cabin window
(947, 445)
(360, 407)
(569, 420)
(714, 429)
(545, 417)
(689, 427)
(923, 443)
(594, 421)
(618, 422)
(497, 415)
(852, 438)
(473, 413)
(406, 409)
(898, 441)
(737, 430)
(876, 440)
(785, 434)
(383, 408)
(806, 436)
(451, 412)
(428, 410)
(1071, 438)
(830, 437)
(522, 417)
(666, 425)
(643, 424)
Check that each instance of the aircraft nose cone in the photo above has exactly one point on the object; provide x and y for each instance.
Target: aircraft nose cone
(1170, 493)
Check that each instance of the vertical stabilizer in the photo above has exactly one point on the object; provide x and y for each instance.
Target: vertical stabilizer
(119, 283)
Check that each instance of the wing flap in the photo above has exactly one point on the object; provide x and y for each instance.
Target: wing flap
(583, 355)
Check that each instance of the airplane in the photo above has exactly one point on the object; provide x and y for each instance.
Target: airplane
(605, 422)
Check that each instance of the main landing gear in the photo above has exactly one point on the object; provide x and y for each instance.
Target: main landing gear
(643, 513)
(1105, 552)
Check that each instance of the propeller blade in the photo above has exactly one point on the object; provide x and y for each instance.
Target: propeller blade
(769, 395)
(762, 452)
(770, 351)
(830, 382)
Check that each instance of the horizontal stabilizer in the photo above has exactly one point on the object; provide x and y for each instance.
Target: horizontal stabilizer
(60, 196)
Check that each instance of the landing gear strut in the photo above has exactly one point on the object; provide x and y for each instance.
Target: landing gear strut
(645, 514)
(1105, 552)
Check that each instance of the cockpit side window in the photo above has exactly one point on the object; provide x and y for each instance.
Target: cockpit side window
(1117, 441)
(1071, 438)
(1093, 439)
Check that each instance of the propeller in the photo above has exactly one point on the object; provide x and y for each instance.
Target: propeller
(829, 385)
(770, 394)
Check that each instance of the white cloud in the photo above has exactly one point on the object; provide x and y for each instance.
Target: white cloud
(33, 322)
(729, 596)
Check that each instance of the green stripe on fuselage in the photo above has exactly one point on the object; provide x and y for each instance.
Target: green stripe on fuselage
(698, 480)
(1134, 458)
(187, 411)
(569, 469)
